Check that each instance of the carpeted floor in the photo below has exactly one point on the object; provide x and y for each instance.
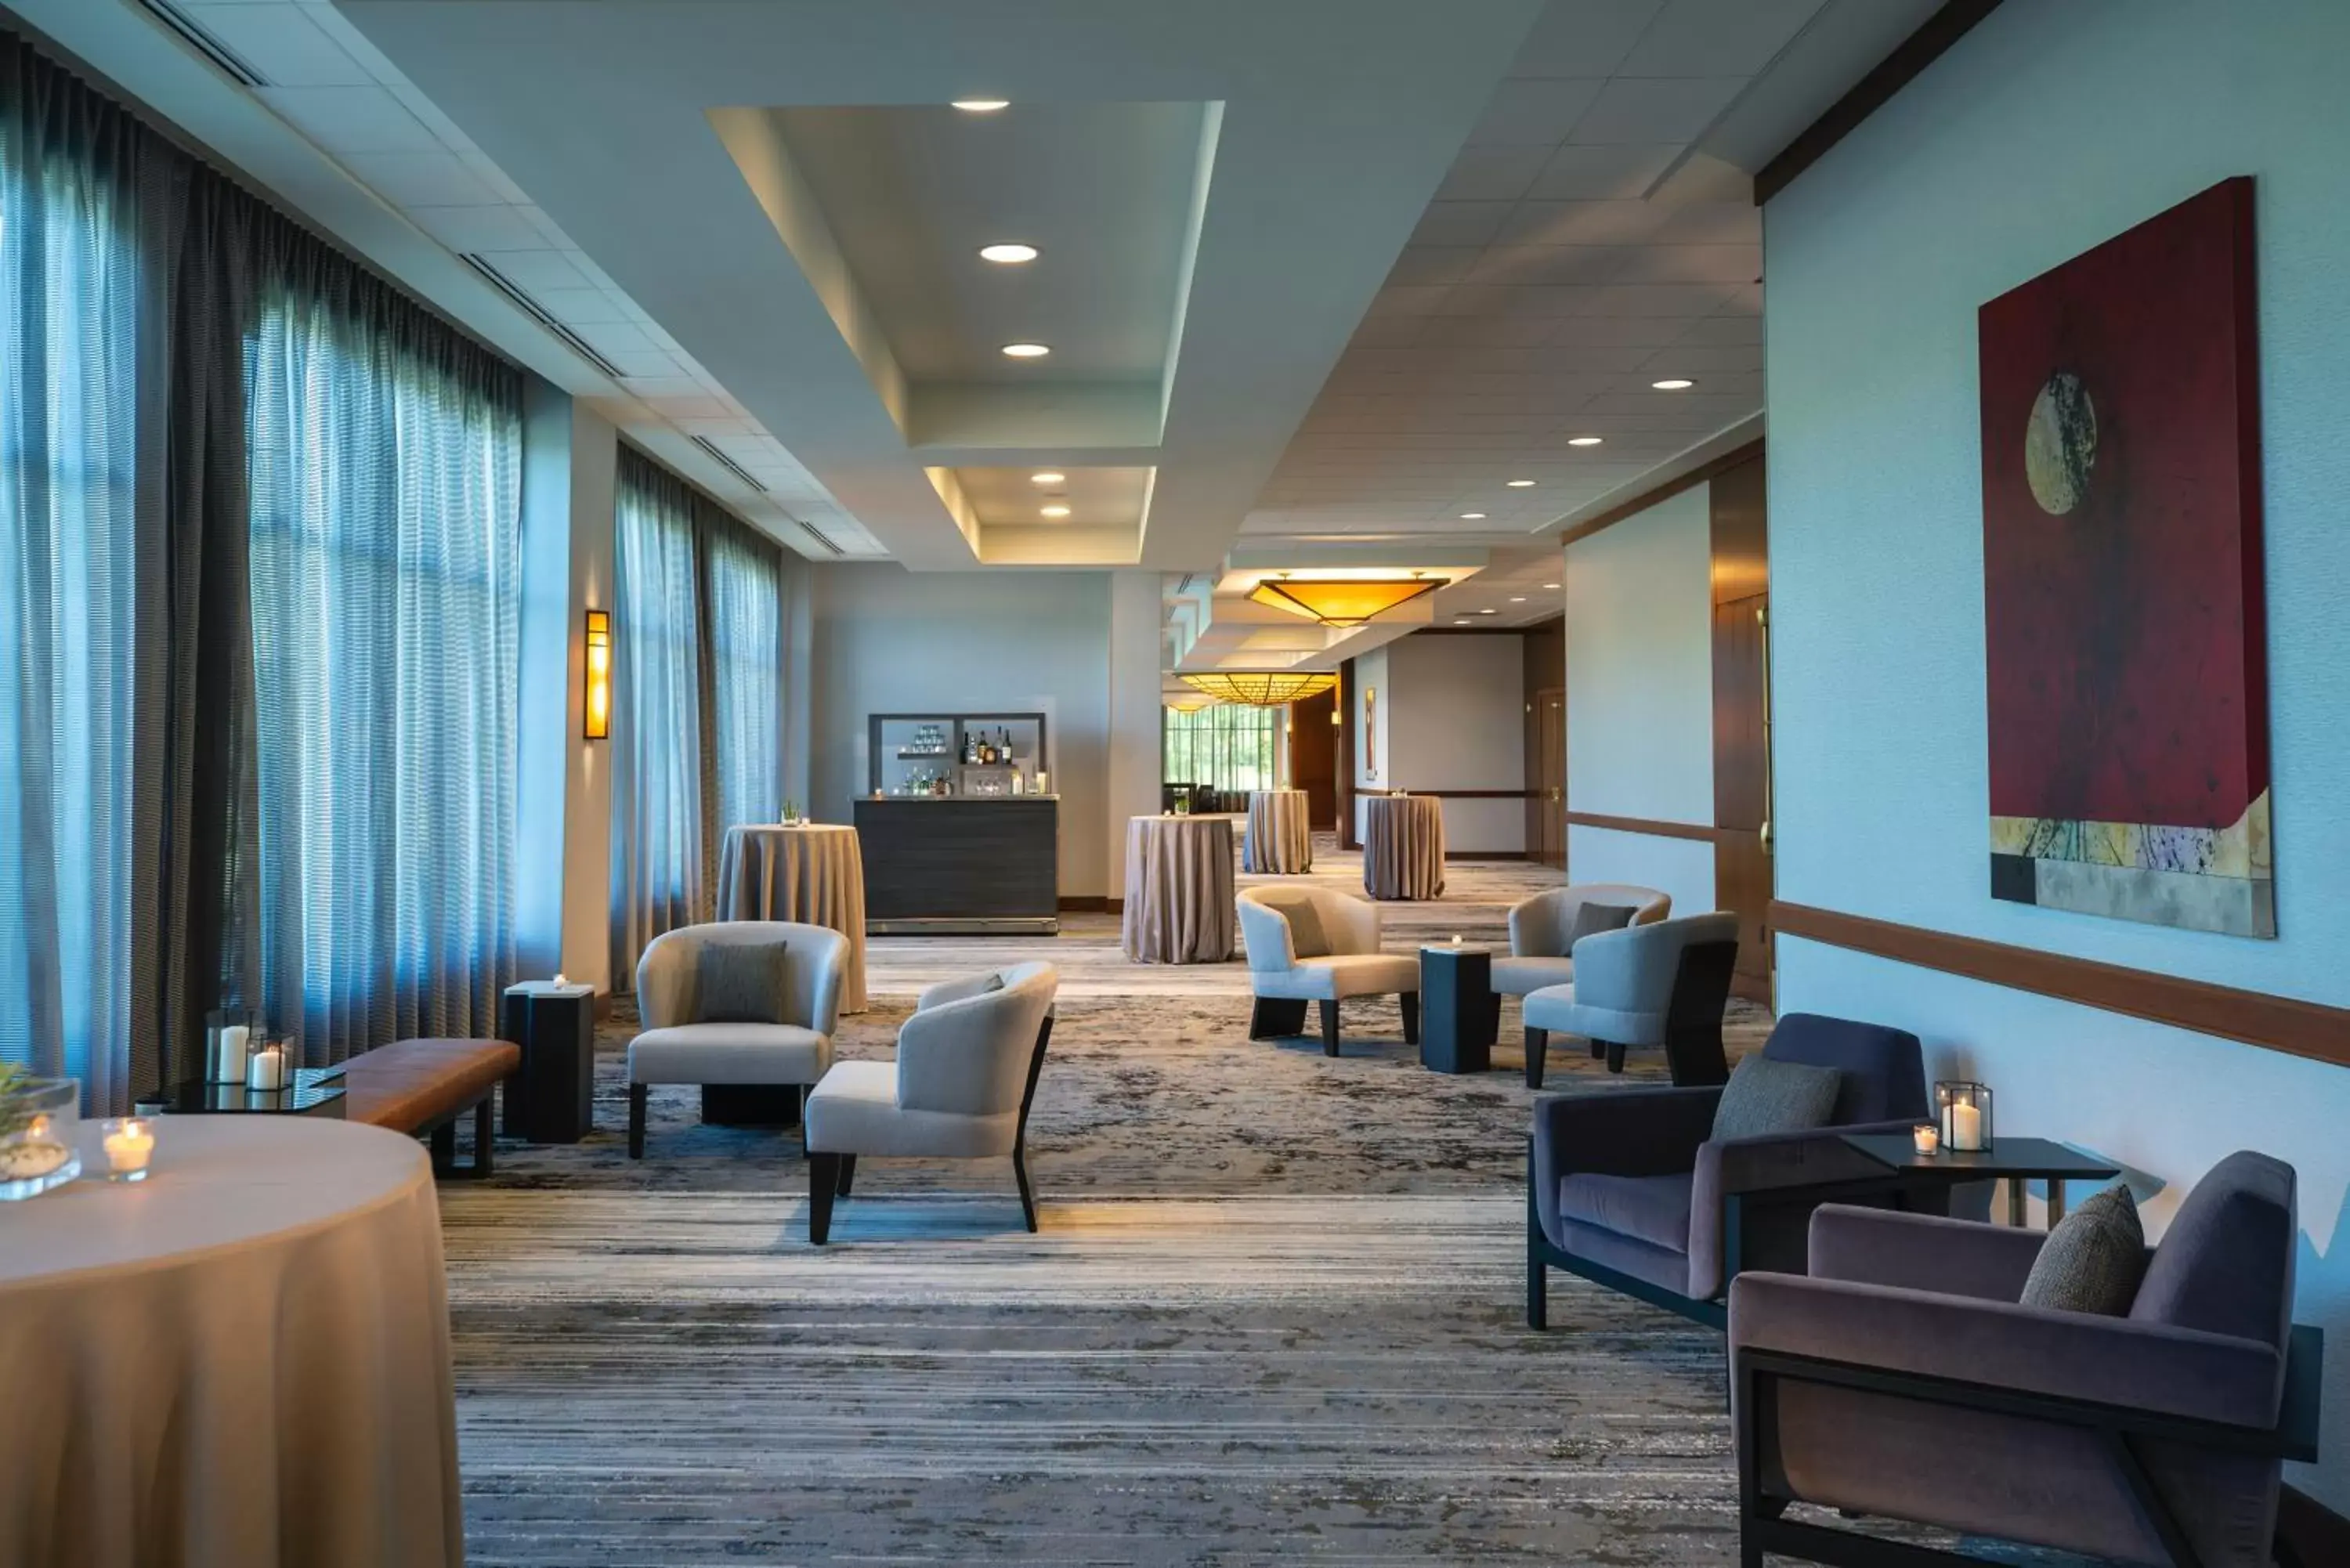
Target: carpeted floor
(1274, 1314)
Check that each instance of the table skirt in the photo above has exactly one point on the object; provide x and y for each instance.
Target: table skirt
(1403, 847)
(1178, 890)
(814, 873)
(1280, 838)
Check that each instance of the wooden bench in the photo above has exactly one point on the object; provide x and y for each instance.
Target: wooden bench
(424, 1087)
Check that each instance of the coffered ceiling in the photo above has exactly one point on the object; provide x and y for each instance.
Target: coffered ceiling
(1312, 272)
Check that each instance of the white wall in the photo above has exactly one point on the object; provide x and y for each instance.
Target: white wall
(1640, 696)
(1457, 721)
(887, 640)
(2052, 126)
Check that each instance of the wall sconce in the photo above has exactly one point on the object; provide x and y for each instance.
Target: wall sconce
(597, 722)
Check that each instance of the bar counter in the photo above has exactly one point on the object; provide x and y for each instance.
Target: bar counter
(961, 864)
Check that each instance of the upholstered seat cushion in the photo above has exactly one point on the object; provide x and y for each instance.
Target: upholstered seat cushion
(1555, 1009)
(1650, 1209)
(1523, 976)
(1341, 975)
(855, 1110)
(729, 1054)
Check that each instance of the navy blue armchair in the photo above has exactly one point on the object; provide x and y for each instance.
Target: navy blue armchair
(1628, 1189)
(1904, 1380)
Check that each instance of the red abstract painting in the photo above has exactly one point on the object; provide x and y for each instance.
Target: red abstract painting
(2128, 679)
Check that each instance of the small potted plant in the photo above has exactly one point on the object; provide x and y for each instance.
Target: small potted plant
(36, 1133)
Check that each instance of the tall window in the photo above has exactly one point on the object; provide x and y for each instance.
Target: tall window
(70, 290)
(386, 601)
(1229, 746)
(747, 666)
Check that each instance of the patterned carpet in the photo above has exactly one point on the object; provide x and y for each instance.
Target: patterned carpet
(1274, 1314)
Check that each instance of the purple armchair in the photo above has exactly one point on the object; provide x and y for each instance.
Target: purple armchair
(1628, 1189)
(1904, 1380)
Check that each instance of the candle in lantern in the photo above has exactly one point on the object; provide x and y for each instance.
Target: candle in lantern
(267, 1069)
(1966, 1126)
(235, 1041)
(129, 1146)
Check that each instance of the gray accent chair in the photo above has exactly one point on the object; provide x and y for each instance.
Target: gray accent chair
(1629, 1188)
(1665, 983)
(961, 1088)
(758, 1071)
(1539, 928)
(1904, 1380)
(1354, 965)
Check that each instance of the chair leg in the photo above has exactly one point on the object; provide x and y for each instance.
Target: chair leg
(1329, 1029)
(484, 1130)
(1599, 1050)
(637, 1093)
(1537, 1292)
(1276, 1018)
(1537, 1054)
(1409, 1003)
(1027, 1193)
(823, 1180)
(1614, 1056)
(847, 1173)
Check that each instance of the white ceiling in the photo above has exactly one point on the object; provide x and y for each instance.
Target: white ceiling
(1301, 294)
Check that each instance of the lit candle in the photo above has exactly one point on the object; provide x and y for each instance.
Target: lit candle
(267, 1069)
(235, 1039)
(129, 1148)
(560, 980)
(1456, 939)
(1966, 1126)
(1929, 1140)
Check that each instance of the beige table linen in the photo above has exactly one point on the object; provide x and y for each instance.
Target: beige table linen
(1279, 839)
(812, 872)
(1403, 847)
(1179, 889)
(242, 1362)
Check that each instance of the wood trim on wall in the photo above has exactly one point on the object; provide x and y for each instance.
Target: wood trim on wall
(2283, 1024)
(1454, 794)
(1702, 473)
(1649, 826)
(1897, 70)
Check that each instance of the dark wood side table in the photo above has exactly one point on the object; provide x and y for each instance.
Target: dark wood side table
(551, 1099)
(2015, 1161)
(1458, 1014)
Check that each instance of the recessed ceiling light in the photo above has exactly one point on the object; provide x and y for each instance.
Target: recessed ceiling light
(1673, 384)
(1048, 477)
(1583, 440)
(1517, 598)
(1550, 585)
(1026, 351)
(1489, 610)
(1472, 517)
(1007, 256)
(1522, 485)
(1055, 511)
(982, 105)
(1462, 620)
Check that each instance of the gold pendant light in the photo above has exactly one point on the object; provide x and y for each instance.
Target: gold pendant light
(1261, 688)
(1342, 602)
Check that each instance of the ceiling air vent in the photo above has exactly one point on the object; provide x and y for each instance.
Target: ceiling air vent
(200, 38)
(728, 463)
(819, 535)
(539, 313)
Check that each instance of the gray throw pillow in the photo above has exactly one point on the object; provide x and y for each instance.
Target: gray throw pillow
(2094, 1259)
(1764, 1096)
(741, 982)
(1307, 937)
(1590, 920)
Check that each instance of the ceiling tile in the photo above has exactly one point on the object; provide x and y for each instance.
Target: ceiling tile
(464, 229)
(286, 48)
(1723, 331)
(1602, 173)
(1584, 37)
(1408, 301)
(1433, 264)
(1535, 111)
(1615, 331)
(1711, 223)
(1583, 224)
(1717, 37)
(1693, 263)
(1492, 173)
(351, 118)
(580, 306)
(421, 179)
(1644, 110)
(490, 174)
(1460, 222)
(536, 269)
(1708, 364)
(1552, 264)
(1656, 299)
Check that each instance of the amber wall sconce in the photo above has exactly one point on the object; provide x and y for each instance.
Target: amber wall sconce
(598, 724)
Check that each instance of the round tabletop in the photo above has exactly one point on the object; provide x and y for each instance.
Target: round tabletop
(812, 872)
(1179, 889)
(264, 1321)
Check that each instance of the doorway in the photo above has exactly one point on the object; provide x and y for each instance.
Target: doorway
(1546, 777)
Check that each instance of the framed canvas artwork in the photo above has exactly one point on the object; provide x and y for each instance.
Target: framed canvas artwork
(2124, 644)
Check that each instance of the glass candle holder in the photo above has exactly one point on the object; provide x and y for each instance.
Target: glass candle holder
(1963, 1113)
(230, 1035)
(37, 1118)
(130, 1146)
(272, 1066)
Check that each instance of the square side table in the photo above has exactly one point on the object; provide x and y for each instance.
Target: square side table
(1458, 1014)
(552, 1098)
(2015, 1161)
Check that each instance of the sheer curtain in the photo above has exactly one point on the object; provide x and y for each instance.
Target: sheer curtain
(747, 651)
(70, 295)
(386, 604)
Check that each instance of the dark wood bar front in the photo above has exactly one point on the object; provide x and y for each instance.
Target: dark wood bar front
(967, 863)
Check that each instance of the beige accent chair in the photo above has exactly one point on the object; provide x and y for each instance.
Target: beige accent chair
(748, 1072)
(1310, 944)
(1539, 928)
(960, 1089)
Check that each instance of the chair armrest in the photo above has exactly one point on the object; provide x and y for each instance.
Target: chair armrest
(1922, 1252)
(1534, 928)
(1265, 935)
(1633, 1132)
(1764, 1185)
(824, 1008)
(947, 990)
(1630, 969)
(1816, 1156)
(2120, 1362)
